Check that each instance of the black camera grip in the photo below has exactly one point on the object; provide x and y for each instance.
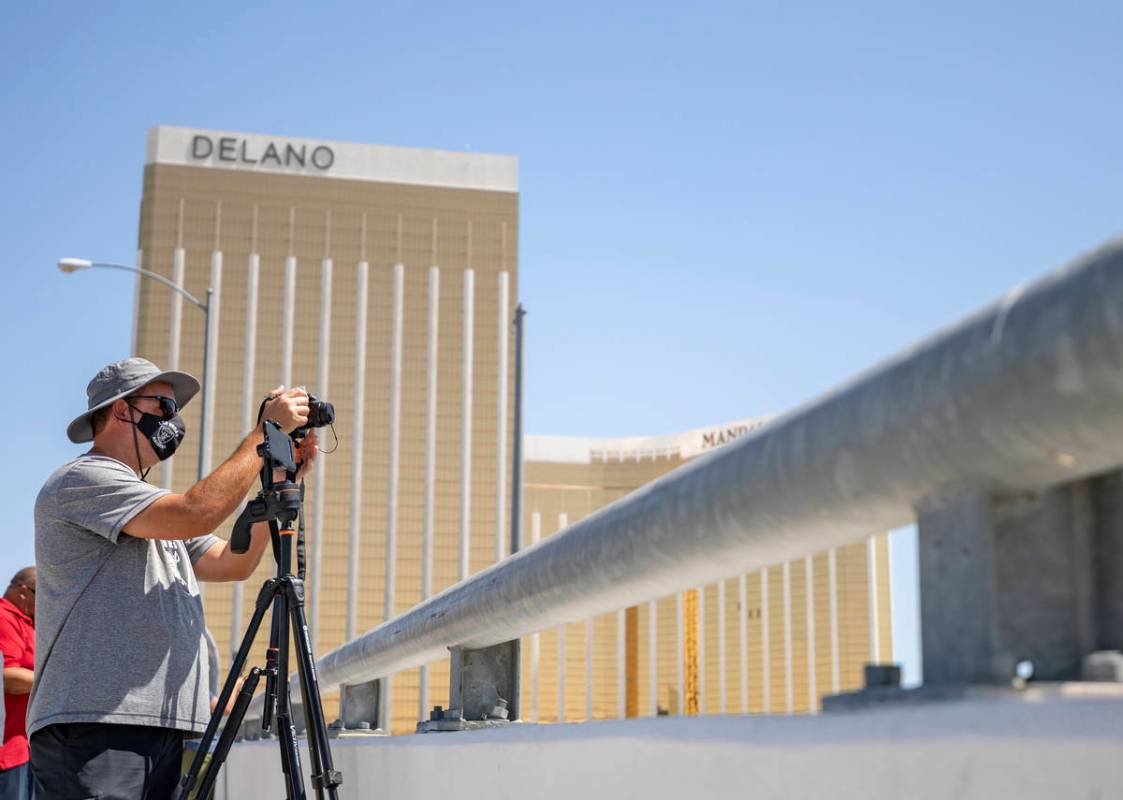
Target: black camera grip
(240, 536)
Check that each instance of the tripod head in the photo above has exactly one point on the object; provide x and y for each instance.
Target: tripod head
(278, 500)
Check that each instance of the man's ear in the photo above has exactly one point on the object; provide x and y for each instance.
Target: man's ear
(122, 411)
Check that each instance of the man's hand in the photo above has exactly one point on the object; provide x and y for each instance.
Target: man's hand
(287, 407)
(233, 697)
(309, 447)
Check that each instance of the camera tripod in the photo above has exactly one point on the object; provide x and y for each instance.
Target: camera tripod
(279, 503)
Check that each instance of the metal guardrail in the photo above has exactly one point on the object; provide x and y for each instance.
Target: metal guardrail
(1023, 395)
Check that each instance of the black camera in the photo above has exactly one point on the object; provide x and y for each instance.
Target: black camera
(320, 413)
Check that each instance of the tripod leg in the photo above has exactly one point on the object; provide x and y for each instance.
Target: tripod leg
(264, 598)
(324, 774)
(271, 672)
(286, 730)
(229, 733)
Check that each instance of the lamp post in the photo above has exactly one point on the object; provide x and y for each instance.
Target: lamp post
(209, 335)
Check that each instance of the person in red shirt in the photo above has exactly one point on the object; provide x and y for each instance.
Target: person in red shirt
(17, 643)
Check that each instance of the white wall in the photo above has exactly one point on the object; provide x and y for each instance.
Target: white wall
(1050, 747)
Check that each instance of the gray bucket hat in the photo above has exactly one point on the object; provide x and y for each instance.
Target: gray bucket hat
(120, 379)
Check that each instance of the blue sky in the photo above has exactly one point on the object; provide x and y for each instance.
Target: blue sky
(726, 208)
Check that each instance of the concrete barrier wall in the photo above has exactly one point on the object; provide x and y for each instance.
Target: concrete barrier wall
(1044, 744)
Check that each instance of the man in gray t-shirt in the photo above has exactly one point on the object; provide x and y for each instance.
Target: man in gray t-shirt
(121, 660)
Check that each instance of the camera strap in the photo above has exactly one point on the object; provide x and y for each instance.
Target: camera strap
(300, 535)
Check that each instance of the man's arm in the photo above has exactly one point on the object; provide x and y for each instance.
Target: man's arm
(204, 506)
(18, 680)
(220, 563)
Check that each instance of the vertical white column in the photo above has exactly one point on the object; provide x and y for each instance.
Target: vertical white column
(701, 649)
(135, 342)
(743, 619)
(393, 468)
(765, 645)
(211, 369)
(535, 535)
(680, 652)
(466, 425)
(899, 650)
(722, 684)
(563, 523)
(621, 664)
(789, 694)
(355, 526)
(871, 570)
(253, 270)
(588, 670)
(289, 311)
(832, 588)
(503, 337)
(319, 485)
(652, 659)
(561, 672)
(430, 459)
(179, 262)
(812, 688)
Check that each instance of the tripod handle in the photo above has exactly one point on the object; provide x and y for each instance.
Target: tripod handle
(240, 536)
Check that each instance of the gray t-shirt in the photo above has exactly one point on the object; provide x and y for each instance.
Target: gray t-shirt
(118, 619)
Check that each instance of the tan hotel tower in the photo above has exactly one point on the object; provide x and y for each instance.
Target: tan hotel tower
(384, 279)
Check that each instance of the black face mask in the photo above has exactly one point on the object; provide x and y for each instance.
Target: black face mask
(163, 434)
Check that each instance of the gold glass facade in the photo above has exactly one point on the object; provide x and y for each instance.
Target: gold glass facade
(706, 656)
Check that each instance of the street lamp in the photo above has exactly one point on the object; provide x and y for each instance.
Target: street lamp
(76, 264)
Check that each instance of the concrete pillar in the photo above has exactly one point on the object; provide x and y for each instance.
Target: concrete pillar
(1006, 577)
(1107, 558)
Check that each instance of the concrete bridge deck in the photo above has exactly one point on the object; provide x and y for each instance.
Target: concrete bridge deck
(1060, 741)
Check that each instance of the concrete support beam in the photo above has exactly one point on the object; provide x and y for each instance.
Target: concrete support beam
(1013, 576)
(483, 681)
(359, 705)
